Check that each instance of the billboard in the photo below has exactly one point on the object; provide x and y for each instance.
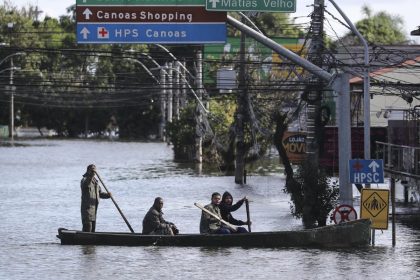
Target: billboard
(268, 60)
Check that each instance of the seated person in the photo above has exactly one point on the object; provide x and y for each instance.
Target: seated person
(208, 223)
(227, 206)
(153, 222)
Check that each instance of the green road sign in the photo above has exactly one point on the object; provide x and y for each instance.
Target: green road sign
(143, 2)
(284, 6)
(229, 53)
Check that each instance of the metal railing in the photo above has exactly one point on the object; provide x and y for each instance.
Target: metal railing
(399, 160)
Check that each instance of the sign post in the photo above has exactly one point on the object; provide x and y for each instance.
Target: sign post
(366, 171)
(284, 6)
(374, 205)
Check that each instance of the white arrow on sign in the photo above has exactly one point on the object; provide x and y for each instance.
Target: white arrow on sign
(373, 165)
(85, 32)
(87, 13)
(214, 3)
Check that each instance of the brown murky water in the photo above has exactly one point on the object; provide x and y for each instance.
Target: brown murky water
(40, 192)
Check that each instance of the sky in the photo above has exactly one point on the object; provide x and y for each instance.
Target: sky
(407, 9)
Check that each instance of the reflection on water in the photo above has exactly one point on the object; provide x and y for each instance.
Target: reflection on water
(40, 192)
(88, 250)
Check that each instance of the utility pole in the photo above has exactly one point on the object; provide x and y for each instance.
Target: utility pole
(199, 84)
(183, 97)
(169, 91)
(176, 90)
(11, 88)
(240, 115)
(314, 95)
(12, 102)
(162, 132)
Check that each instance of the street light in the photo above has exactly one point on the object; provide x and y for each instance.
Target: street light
(10, 56)
(134, 52)
(176, 60)
(12, 89)
(164, 68)
(150, 58)
(144, 67)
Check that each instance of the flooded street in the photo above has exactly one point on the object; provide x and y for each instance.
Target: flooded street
(40, 191)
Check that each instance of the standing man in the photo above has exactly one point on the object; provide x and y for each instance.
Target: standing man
(209, 224)
(153, 222)
(91, 192)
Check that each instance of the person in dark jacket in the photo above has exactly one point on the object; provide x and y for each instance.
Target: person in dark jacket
(227, 206)
(91, 192)
(153, 222)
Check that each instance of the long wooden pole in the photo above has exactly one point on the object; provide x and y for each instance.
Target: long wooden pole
(248, 219)
(230, 226)
(115, 203)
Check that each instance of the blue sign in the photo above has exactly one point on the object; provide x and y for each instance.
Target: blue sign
(106, 33)
(366, 171)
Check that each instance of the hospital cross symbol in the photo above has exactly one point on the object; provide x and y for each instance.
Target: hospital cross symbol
(358, 166)
(103, 33)
(214, 3)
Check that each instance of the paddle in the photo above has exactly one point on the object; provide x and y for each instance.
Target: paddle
(230, 226)
(115, 203)
(248, 219)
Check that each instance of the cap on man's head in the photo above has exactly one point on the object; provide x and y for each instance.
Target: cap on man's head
(91, 167)
(90, 170)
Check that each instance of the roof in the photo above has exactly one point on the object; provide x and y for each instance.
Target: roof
(405, 72)
(394, 64)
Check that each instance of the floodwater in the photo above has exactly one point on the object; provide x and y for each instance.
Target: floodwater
(40, 192)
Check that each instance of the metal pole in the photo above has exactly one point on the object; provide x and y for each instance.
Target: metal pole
(366, 83)
(176, 90)
(12, 103)
(183, 98)
(175, 59)
(341, 86)
(393, 210)
(317, 71)
(169, 92)
(162, 125)
(199, 84)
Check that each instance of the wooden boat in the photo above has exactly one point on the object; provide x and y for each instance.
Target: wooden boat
(348, 234)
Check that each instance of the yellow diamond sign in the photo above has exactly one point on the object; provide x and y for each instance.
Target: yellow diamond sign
(375, 206)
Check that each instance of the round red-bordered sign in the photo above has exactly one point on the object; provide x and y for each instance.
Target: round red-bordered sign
(344, 213)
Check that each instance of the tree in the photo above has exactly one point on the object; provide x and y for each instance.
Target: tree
(59, 85)
(378, 28)
(271, 24)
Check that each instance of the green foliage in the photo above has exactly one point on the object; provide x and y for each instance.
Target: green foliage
(322, 193)
(271, 24)
(182, 133)
(135, 123)
(278, 25)
(222, 115)
(378, 28)
(58, 80)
